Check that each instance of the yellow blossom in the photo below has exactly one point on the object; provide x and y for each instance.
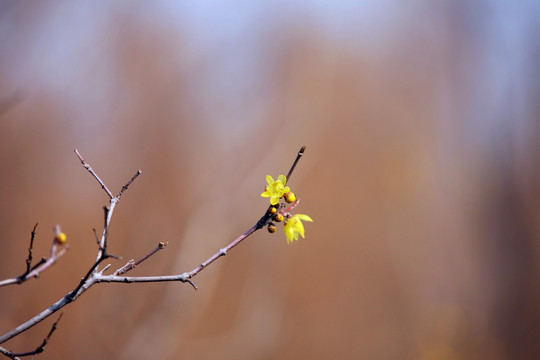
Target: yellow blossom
(275, 189)
(294, 226)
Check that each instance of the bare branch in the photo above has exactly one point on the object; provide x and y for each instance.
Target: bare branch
(29, 259)
(37, 350)
(41, 347)
(42, 265)
(50, 261)
(139, 279)
(108, 211)
(8, 353)
(223, 251)
(38, 264)
(87, 167)
(298, 156)
(96, 235)
(125, 187)
(124, 269)
(94, 276)
(132, 263)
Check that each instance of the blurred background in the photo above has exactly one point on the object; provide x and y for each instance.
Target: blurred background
(421, 174)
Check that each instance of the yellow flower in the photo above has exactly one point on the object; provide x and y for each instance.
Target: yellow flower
(275, 189)
(294, 226)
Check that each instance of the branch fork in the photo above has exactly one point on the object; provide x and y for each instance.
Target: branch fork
(94, 275)
(33, 271)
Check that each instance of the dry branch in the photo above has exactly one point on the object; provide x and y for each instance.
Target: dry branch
(33, 271)
(94, 275)
(37, 350)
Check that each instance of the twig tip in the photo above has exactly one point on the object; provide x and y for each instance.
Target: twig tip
(162, 244)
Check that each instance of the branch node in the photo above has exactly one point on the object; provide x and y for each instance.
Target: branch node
(40, 262)
(104, 269)
(185, 278)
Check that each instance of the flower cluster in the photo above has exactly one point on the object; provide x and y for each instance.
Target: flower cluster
(276, 190)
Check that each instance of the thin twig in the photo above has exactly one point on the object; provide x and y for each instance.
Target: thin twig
(11, 281)
(41, 347)
(132, 263)
(29, 259)
(8, 353)
(95, 276)
(50, 261)
(84, 281)
(87, 167)
(38, 350)
(125, 187)
(38, 264)
(124, 269)
(223, 251)
(286, 212)
(33, 271)
(298, 156)
(140, 279)
(96, 235)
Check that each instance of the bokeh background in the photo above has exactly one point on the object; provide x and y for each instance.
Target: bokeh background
(421, 121)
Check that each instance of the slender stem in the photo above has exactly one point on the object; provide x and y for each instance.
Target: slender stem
(185, 277)
(38, 267)
(125, 187)
(108, 216)
(132, 263)
(223, 251)
(298, 156)
(87, 167)
(94, 276)
(48, 263)
(29, 259)
(45, 341)
(8, 353)
(141, 279)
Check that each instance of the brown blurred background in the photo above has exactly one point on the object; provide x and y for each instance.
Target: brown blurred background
(421, 173)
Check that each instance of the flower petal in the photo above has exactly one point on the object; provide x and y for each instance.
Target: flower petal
(282, 179)
(289, 232)
(269, 179)
(303, 217)
(300, 229)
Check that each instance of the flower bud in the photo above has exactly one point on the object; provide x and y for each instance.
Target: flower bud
(289, 197)
(272, 210)
(60, 238)
(279, 217)
(271, 228)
